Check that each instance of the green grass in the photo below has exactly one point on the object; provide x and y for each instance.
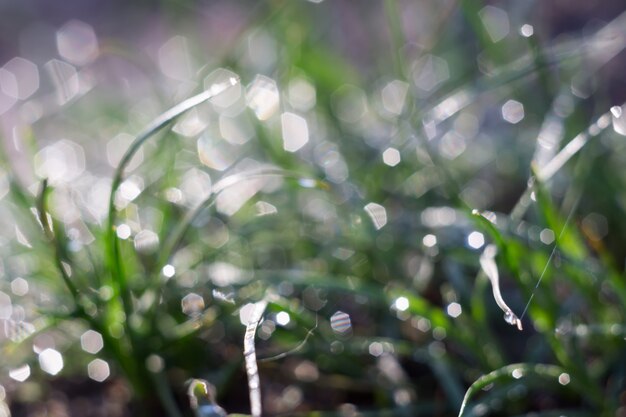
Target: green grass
(425, 335)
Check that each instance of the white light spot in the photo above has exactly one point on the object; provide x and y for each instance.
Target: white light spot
(429, 72)
(51, 361)
(378, 214)
(192, 304)
(174, 59)
(391, 157)
(60, 162)
(65, 80)
(146, 241)
(517, 373)
(91, 341)
(301, 94)
(340, 322)
(98, 370)
(401, 304)
(123, 231)
(513, 111)
(155, 363)
(262, 97)
(230, 96)
(168, 271)
(429, 240)
(394, 96)
(19, 286)
(454, 310)
(376, 349)
(496, 22)
(264, 208)
(20, 374)
(23, 80)
(564, 379)
(527, 30)
(283, 318)
(546, 236)
(476, 240)
(77, 42)
(295, 131)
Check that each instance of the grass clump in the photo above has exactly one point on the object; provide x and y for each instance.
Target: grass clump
(332, 224)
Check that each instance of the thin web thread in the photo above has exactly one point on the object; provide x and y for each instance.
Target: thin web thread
(545, 268)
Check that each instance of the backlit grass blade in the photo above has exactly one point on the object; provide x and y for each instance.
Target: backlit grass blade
(548, 373)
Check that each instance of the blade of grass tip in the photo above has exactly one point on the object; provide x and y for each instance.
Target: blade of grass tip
(249, 352)
(574, 146)
(514, 371)
(490, 268)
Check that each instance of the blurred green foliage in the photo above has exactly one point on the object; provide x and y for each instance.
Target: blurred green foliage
(335, 179)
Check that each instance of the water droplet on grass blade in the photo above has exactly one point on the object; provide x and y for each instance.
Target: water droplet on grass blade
(512, 319)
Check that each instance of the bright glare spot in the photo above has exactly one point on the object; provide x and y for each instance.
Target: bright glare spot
(454, 310)
(394, 96)
(98, 370)
(155, 363)
(429, 72)
(401, 304)
(283, 318)
(376, 349)
(65, 79)
(51, 361)
(340, 322)
(546, 236)
(349, 103)
(77, 42)
(19, 78)
(564, 379)
(60, 162)
(391, 157)
(476, 240)
(116, 148)
(262, 97)
(527, 30)
(226, 98)
(218, 155)
(174, 60)
(19, 286)
(496, 22)
(20, 374)
(295, 131)
(91, 341)
(513, 111)
(378, 214)
(301, 94)
(192, 304)
(245, 313)
(517, 373)
(168, 271)
(146, 241)
(6, 307)
(263, 208)
(123, 231)
(429, 240)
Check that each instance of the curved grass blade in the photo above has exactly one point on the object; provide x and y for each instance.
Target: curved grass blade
(548, 372)
(149, 131)
(490, 268)
(118, 278)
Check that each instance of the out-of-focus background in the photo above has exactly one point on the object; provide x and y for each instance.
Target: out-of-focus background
(333, 176)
